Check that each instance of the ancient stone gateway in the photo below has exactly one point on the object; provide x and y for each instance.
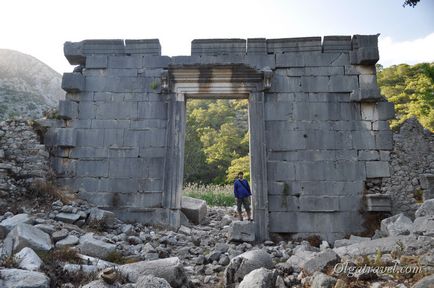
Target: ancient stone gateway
(318, 126)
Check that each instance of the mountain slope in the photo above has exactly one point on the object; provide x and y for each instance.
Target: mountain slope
(27, 85)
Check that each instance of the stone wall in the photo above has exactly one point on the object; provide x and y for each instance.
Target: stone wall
(412, 166)
(23, 160)
(316, 99)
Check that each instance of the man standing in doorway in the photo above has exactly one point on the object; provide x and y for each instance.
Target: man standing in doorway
(242, 194)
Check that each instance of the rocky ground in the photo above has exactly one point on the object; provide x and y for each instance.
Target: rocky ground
(75, 245)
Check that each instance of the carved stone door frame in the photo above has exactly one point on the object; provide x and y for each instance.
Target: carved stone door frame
(216, 82)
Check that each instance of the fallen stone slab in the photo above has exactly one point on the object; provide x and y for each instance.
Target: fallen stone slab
(8, 224)
(397, 225)
(149, 281)
(59, 235)
(67, 217)
(13, 278)
(241, 231)
(27, 259)
(353, 239)
(321, 261)
(426, 209)
(244, 263)
(170, 269)
(95, 247)
(410, 243)
(194, 209)
(25, 235)
(259, 278)
(97, 215)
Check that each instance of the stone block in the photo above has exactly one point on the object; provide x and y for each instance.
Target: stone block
(73, 51)
(315, 170)
(66, 137)
(92, 168)
(127, 167)
(241, 231)
(384, 140)
(256, 46)
(363, 140)
(90, 137)
(64, 167)
(73, 82)
(68, 109)
(25, 235)
(426, 209)
(365, 50)
(311, 59)
(366, 95)
(113, 137)
(285, 45)
(103, 46)
(96, 62)
(28, 259)
(260, 278)
(110, 124)
(319, 204)
(377, 169)
(385, 111)
(369, 155)
(23, 278)
(125, 62)
(124, 152)
(152, 62)
(378, 202)
(280, 170)
(86, 110)
(396, 225)
(336, 43)
(281, 83)
(285, 140)
(152, 110)
(143, 47)
(218, 46)
(342, 83)
(320, 262)
(10, 223)
(360, 70)
(67, 217)
(194, 209)
(88, 153)
(102, 216)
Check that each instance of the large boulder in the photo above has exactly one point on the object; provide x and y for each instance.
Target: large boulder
(194, 209)
(17, 278)
(241, 231)
(170, 269)
(25, 235)
(105, 217)
(397, 225)
(426, 209)
(28, 260)
(321, 261)
(10, 223)
(149, 281)
(259, 278)
(95, 247)
(424, 226)
(243, 264)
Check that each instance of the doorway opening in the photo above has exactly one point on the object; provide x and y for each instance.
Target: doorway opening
(216, 148)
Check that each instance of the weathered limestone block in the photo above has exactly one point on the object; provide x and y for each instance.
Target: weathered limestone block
(28, 260)
(68, 109)
(194, 209)
(170, 269)
(321, 280)
(426, 209)
(321, 261)
(285, 45)
(218, 46)
(256, 46)
(10, 223)
(241, 231)
(96, 62)
(102, 216)
(25, 235)
(365, 50)
(95, 247)
(378, 202)
(336, 43)
(397, 225)
(66, 137)
(149, 281)
(424, 226)
(11, 278)
(377, 169)
(73, 82)
(259, 278)
(143, 47)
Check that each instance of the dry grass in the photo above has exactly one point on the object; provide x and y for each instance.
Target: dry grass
(214, 195)
(50, 191)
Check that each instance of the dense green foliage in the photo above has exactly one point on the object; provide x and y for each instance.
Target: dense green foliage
(411, 88)
(217, 141)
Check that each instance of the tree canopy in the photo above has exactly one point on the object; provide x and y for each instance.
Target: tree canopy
(411, 89)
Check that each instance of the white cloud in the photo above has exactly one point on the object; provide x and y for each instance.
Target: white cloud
(409, 52)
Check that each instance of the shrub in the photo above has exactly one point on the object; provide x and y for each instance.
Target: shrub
(214, 195)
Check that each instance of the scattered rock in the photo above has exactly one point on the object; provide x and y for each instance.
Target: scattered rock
(243, 264)
(59, 235)
(426, 209)
(321, 280)
(25, 235)
(397, 225)
(426, 282)
(170, 269)
(8, 224)
(67, 217)
(98, 284)
(70, 240)
(102, 216)
(95, 247)
(109, 275)
(17, 278)
(321, 261)
(194, 209)
(149, 281)
(242, 231)
(28, 260)
(424, 226)
(259, 278)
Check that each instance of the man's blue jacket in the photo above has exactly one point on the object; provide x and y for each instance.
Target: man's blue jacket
(241, 188)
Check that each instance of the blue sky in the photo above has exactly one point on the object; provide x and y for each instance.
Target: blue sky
(41, 27)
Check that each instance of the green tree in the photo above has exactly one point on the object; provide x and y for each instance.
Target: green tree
(411, 89)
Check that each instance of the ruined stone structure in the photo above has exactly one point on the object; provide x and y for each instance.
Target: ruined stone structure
(318, 126)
